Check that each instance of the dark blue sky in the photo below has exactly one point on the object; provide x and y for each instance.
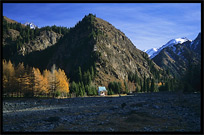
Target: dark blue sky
(147, 25)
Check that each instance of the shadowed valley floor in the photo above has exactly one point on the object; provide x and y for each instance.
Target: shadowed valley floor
(142, 112)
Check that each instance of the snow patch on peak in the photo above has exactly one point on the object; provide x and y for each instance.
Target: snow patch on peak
(32, 26)
(150, 51)
(181, 40)
(171, 43)
(177, 41)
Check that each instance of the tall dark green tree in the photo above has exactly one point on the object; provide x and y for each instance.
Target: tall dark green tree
(136, 79)
(126, 87)
(116, 87)
(152, 86)
(74, 87)
(24, 36)
(36, 32)
(172, 83)
(5, 27)
(144, 84)
(82, 89)
(167, 86)
(92, 73)
(119, 87)
(148, 82)
(88, 77)
(32, 35)
(28, 35)
(79, 74)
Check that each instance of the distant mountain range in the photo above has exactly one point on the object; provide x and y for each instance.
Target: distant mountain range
(155, 51)
(174, 55)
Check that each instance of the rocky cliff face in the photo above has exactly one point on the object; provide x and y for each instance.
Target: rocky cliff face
(19, 40)
(118, 54)
(41, 42)
(12, 34)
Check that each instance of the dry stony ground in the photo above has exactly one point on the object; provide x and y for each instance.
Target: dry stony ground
(143, 112)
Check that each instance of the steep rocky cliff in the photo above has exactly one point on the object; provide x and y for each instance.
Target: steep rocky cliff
(41, 42)
(20, 40)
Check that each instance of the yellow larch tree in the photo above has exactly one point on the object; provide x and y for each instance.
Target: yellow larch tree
(37, 81)
(5, 80)
(47, 85)
(26, 85)
(8, 77)
(41, 84)
(63, 82)
(44, 88)
(20, 71)
(53, 81)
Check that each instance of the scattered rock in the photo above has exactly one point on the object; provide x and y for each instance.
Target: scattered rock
(111, 129)
(53, 119)
(123, 105)
(61, 110)
(156, 106)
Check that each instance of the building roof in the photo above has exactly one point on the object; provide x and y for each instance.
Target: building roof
(102, 89)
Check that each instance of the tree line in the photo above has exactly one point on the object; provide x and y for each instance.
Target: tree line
(153, 85)
(191, 81)
(25, 81)
(142, 84)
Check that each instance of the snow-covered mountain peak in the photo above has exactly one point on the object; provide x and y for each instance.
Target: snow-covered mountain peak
(177, 41)
(32, 26)
(154, 51)
(182, 40)
(150, 51)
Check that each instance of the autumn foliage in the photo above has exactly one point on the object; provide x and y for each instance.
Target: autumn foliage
(21, 81)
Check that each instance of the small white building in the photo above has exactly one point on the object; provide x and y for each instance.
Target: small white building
(102, 91)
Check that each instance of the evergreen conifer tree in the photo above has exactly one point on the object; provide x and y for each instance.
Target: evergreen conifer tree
(144, 85)
(152, 86)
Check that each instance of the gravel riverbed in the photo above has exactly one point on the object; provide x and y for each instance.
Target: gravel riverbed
(146, 112)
